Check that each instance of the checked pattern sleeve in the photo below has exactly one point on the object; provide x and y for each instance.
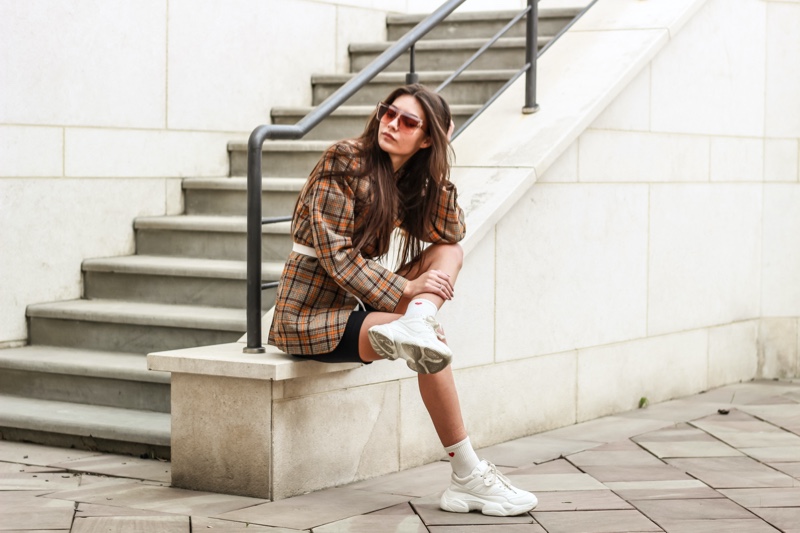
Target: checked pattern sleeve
(331, 209)
(447, 224)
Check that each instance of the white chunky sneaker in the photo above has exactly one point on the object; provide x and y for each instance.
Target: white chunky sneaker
(488, 491)
(416, 340)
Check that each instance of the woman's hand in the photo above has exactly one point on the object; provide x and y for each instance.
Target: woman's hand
(431, 282)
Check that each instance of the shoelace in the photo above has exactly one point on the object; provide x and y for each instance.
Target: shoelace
(492, 476)
(431, 321)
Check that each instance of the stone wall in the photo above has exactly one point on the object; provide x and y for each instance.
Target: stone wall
(106, 105)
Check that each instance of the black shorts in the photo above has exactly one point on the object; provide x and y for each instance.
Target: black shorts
(347, 349)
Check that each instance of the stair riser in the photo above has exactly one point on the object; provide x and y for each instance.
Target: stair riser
(210, 245)
(335, 127)
(79, 442)
(206, 292)
(289, 164)
(86, 390)
(478, 29)
(234, 203)
(447, 60)
(459, 92)
(122, 337)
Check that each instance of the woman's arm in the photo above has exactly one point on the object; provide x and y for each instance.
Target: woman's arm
(447, 224)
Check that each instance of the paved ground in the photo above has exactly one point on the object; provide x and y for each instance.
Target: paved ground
(680, 466)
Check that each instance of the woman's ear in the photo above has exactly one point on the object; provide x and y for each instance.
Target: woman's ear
(426, 142)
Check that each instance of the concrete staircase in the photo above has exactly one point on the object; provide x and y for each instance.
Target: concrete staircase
(83, 382)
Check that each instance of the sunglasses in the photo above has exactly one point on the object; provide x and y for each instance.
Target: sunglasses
(407, 122)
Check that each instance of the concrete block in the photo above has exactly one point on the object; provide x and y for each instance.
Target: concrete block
(621, 14)
(334, 438)
(703, 255)
(737, 159)
(631, 109)
(726, 73)
(145, 153)
(732, 353)
(782, 76)
(564, 169)
(781, 160)
(29, 152)
(91, 64)
(221, 434)
(571, 269)
(780, 270)
(612, 379)
(242, 78)
(607, 156)
(777, 348)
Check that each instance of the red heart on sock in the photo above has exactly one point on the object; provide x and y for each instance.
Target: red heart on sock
(417, 303)
(452, 454)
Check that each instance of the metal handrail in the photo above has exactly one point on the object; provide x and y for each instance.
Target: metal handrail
(307, 123)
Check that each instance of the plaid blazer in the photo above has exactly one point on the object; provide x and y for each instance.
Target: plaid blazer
(316, 295)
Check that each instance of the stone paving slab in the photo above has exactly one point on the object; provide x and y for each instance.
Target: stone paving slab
(725, 525)
(677, 467)
(105, 524)
(120, 466)
(314, 509)
(595, 522)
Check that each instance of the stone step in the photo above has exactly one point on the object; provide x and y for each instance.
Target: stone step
(447, 54)
(132, 327)
(293, 159)
(480, 24)
(349, 121)
(97, 427)
(112, 379)
(228, 196)
(208, 237)
(280, 158)
(175, 280)
(470, 88)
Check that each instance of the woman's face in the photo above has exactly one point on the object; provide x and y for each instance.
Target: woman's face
(397, 141)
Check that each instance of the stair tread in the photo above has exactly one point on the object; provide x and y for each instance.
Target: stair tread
(180, 266)
(114, 423)
(225, 224)
(239, 183)
(298, 145)
(143, 314)
(425, 77)
(440, 45)
(506, 15)
(75, 362)
(360, 110)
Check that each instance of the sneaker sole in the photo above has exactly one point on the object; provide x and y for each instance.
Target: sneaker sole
(420, 359)
(454, 504)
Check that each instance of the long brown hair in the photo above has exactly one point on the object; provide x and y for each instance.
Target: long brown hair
(413, 195)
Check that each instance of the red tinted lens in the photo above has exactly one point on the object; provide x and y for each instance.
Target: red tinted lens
(406, 123)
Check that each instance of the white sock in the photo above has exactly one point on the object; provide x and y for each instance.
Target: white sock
(421, 307)
(462, 457)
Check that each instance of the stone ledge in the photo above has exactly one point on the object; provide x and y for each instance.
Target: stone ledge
(228, 360)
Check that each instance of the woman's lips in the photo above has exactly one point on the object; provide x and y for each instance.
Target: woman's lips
(388, 136)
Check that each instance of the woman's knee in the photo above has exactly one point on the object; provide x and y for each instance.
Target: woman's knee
(453, 252)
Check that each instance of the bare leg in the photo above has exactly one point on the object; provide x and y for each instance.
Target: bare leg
(438, 390)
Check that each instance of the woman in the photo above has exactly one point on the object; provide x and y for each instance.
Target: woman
(335, 303)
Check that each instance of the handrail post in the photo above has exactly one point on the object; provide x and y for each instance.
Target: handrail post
(412, 77)
(254, 149)
(531, 52)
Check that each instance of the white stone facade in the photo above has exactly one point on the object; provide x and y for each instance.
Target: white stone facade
(636, 238)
